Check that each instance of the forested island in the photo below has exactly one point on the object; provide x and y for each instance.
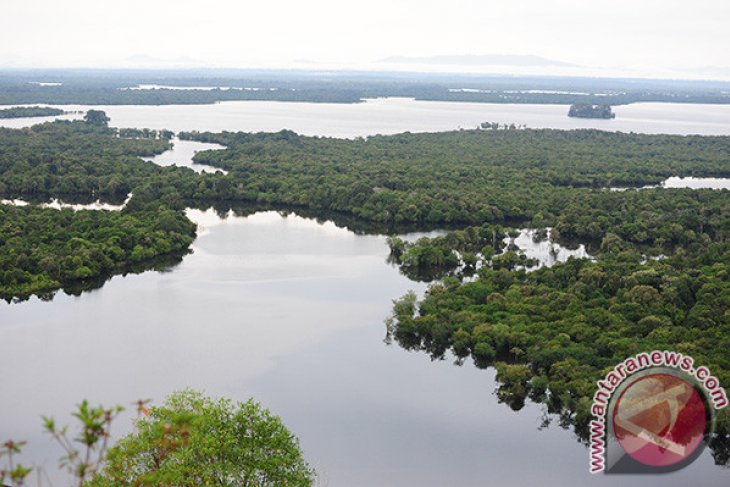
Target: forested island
(660, 278)
(582, 110)
(26, 112)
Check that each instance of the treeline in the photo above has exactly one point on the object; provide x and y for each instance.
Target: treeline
(74, 159)
(532, 178)
(586, 110)
(99, 87)
(42, 249)
(79, 95)
(132, 133)
(23, 112)
(465, 177)
(509, 177)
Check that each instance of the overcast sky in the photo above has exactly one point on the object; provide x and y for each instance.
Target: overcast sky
(645, 37)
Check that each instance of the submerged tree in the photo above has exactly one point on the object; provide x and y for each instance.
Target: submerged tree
(96, 117)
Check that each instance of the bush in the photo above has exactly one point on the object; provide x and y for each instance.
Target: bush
(193, 440)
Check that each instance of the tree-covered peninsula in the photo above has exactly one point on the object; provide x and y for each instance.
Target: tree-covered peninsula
(43, 249)
(462, 177)
(27, 112)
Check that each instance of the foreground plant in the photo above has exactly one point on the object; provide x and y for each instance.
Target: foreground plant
(194, 440)
(95, 430)
(191, 440)
(16, 473)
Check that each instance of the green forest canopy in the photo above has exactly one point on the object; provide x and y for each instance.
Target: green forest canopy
(660, 278)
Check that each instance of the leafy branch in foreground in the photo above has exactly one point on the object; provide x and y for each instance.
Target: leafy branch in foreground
(190, 440)
(94, 437)
(17, 473)
(194, 440)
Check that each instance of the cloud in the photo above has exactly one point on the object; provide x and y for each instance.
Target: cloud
(480, 60)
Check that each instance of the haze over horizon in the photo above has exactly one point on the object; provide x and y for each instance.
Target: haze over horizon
(659, 39)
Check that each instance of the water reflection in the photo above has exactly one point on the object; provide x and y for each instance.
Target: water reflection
(288, 310)
(436, 258)
(73, 203)
(538, 246)
(182, 154)
(697, 183)
(164, 263)
(688, 182)
(358, 226)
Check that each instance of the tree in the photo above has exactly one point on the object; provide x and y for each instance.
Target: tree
(96, 117)
(193, 440)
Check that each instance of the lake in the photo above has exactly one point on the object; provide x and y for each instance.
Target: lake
(289, 311)
(394, 115)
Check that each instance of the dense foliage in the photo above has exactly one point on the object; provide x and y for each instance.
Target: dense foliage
(469, 176)
(44, 249)
(583, 110)
(73, 158)
(553, 332)
(23, 112)
(193, 440)
(456, 253)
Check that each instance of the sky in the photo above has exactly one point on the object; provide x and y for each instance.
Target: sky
(655, 38)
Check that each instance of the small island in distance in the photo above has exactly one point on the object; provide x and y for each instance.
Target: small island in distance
(27, 112)
(585, 110)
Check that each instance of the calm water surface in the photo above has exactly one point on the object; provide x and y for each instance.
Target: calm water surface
(182, 154)
(697, 183)
(58, 204)
(289, 311)
(395, 115)
(688, 182)
(546, 252)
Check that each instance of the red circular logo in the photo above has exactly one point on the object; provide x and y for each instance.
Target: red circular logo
(659, 420)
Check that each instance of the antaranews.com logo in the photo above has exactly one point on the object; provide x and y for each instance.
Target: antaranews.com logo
(654, 413)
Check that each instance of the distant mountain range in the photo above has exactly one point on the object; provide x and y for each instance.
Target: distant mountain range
(145, 61)
(480, 60)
